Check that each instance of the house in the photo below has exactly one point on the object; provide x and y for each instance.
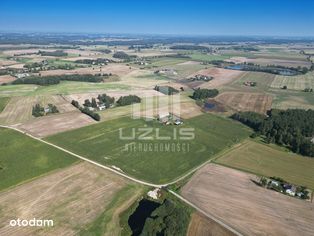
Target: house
(163, 117)
(291, 191)
(300, 194)
(102, 107)
(22, 75)
(47, 110)
(178, 122)
(274, 182)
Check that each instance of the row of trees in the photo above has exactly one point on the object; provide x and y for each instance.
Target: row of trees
(122, 55)
(293, 128)
(190, 47)
(86, 110)
(57, 53)
(200, 94)
(55, 79)
(128, 100)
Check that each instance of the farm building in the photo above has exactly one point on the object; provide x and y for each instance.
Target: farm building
(169, 119)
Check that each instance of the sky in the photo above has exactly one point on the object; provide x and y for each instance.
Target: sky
(197, 17)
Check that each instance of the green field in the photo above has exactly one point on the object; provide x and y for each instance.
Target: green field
(263, 81)
(166, 61)
(65, 87)
(291, 99)
(23, 158)
(299, 82)
(270, 160)
(3, 102)
(207, 57)
(17, 90)
(101, 142)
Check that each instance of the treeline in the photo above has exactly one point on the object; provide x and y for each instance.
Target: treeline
(168, 219)
(200, 94)
(190, 47)
(122, 55)
(128, 100)
(55, 79)
(167, 90)
(86, 110)
(293, 128)
(139, 47)
(104, 50)
(57, 53)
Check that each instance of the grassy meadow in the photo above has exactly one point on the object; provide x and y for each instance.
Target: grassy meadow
(23, 158)
(270, 160)
(101, 143)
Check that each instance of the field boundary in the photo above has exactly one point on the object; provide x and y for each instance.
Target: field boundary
(137, 180)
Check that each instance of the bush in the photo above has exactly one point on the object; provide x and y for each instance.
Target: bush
(128, 100)
(204, 93)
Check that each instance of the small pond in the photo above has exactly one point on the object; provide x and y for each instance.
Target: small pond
(143, 211)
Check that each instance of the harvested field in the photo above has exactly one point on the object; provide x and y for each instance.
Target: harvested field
(299, 82)
(19, 109)
(179, 105)
(72, 198)
(115, 69)
(6, 79)
(262, 80)
(221, 76)
(56, 123)
(231, 196)
(17, 66)
(256, 102)
(188, 63)
(182, 107)
(4, 62)
(200, 225)
(271, 61)
(80, 97)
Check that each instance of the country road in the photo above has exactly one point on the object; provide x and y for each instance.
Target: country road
(137, 180)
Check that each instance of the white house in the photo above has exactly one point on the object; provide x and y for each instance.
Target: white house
(102, 107)
(274, 182)
(291, 191)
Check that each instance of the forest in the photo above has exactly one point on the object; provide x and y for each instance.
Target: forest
(293, 128)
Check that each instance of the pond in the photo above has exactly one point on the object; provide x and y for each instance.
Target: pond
(209, 105)
(143, 211)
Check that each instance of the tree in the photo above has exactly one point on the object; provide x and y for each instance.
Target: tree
(94, 103)
(87, 103)
(204, 93)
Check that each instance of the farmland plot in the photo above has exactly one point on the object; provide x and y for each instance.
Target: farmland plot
(231, 196)
(73, 198)
(256, 102)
